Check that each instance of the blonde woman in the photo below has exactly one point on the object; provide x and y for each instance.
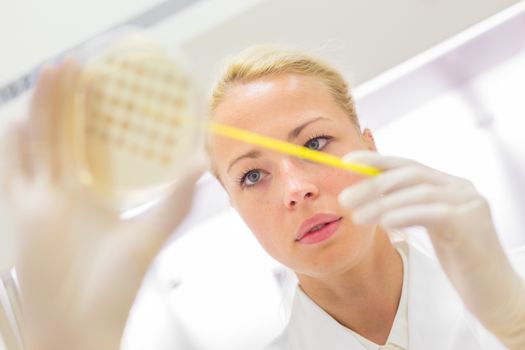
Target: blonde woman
(357, 288)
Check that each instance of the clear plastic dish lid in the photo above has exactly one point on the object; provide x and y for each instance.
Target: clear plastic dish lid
(135, 120)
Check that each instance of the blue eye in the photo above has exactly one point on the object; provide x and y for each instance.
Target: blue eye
(251, 177)
(317, 143)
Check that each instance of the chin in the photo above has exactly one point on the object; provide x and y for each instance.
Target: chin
(337, 260)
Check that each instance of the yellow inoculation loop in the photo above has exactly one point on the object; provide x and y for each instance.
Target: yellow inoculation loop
(289, 148)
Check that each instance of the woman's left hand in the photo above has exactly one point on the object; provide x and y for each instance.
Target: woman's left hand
(80, 264)
(460, 226)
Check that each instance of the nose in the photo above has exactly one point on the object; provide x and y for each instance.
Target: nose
(298, 188)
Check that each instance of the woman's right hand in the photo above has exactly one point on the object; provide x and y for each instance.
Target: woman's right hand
(459, 223)
(79, 264)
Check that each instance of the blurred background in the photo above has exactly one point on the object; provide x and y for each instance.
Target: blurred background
(440, 81)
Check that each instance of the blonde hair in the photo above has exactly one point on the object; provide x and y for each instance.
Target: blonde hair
(261, 61)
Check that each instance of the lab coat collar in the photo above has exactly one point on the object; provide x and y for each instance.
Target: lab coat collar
(311, 328)
(437, 318)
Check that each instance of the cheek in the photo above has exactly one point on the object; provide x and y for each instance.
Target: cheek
(265, 221)
(336, 180)
(258, 216)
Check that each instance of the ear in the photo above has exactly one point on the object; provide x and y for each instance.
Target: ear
(368, 137)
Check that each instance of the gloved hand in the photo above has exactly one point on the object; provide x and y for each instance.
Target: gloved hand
(460, 226)
(80, 265)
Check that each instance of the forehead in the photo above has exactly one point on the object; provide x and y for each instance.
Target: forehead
(275, 99)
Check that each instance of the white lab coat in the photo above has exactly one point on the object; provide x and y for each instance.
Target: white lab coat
(231, 301)
(437, 318)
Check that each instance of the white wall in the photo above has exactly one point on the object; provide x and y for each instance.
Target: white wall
(33, 30)
(445, 133)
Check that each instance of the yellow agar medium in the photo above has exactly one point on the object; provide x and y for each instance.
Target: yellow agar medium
(289, 148)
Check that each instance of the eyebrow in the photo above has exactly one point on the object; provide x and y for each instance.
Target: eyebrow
(296, 131)
(291, 135)
(250, 154)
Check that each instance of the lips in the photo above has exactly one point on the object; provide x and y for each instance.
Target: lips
(315, 224)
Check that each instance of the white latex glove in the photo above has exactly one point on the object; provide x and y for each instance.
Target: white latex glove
(80, 265)
(460, 226)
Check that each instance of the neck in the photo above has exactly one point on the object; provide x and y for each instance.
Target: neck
(364, 298)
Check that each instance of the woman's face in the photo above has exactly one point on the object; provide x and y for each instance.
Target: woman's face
(290, 204)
